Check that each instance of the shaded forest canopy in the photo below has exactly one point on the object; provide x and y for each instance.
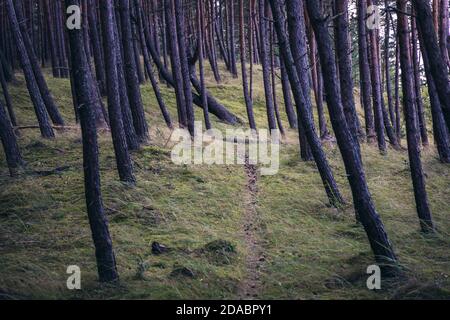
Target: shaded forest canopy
(359, 90)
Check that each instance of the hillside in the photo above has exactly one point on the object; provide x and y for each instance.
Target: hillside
(306, 250)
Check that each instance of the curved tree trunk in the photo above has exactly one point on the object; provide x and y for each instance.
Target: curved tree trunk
(362, 199)
(418, 179)
(106, 261)
(33, 88)
(304, 113)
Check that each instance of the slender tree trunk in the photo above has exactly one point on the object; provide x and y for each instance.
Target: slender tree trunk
(40, 80)
(343, 51)
(232, 50)
(292, 117)
(366, 83)
(441, 134)
(304, 113)
(149, 68)
(266, 65)
(297, 34)
(418, 86)
(185, 72)
(437, 62)
(7, 96)
(106, 261)
(133, 141)
(362, 199)
(376, 88)
(132, 81)
(124, 165)
(9, 141)
(398, 124)
(201, 28)
(33, 89)
(417, 174)
(387, 67)
(248, 99)
(96, 47)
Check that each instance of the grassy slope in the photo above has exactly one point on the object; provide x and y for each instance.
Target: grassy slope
(313, 252)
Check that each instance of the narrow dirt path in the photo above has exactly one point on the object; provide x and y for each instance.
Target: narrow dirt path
(250, 287)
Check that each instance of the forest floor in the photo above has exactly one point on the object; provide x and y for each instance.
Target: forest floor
(230, 233)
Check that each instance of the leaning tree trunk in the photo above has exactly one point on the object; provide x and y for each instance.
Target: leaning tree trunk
(364, 69)
(175, 63)
(9, 141)
(362, 199)
(343, 51)
(440, 131)
(437, 63)
(106, 261)
(132, 81)
(304, 113)
(375, 72)
(297, 34)
(247, 97)
(7, 96)
(149, 67)
(418, 179)
(418, 86)
(185, 72)
(200, 33)
(264, 54)
(124, 165)
(214, 107)
(40, 80)
(33, 88)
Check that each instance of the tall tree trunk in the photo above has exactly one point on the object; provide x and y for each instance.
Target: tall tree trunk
(362, 199)
(304, 113)
(375, 71)
(417, 174)
(265, 64)
(9, 141)
(437, 62)
(366, 83)
(7, 96)
(440, 131)
(96, 47)
(232, 50)
(133, 141)
(297, 35)
(292, 117)
(132, 81)
(201, 28)
(418, 86)
(33, 88)
(248, 99)
(185, 72)
(124, 165)
(149, 68)
(106, 261)
(343, 51)
(387, 66)
(175, 63)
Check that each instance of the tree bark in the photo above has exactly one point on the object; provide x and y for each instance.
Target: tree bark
(379, 241)
(106, 261)
(304, 113)
(124, 165)
(364, 69)
(437, 63)
(33, 88)
(418, 179)
(132, 81)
